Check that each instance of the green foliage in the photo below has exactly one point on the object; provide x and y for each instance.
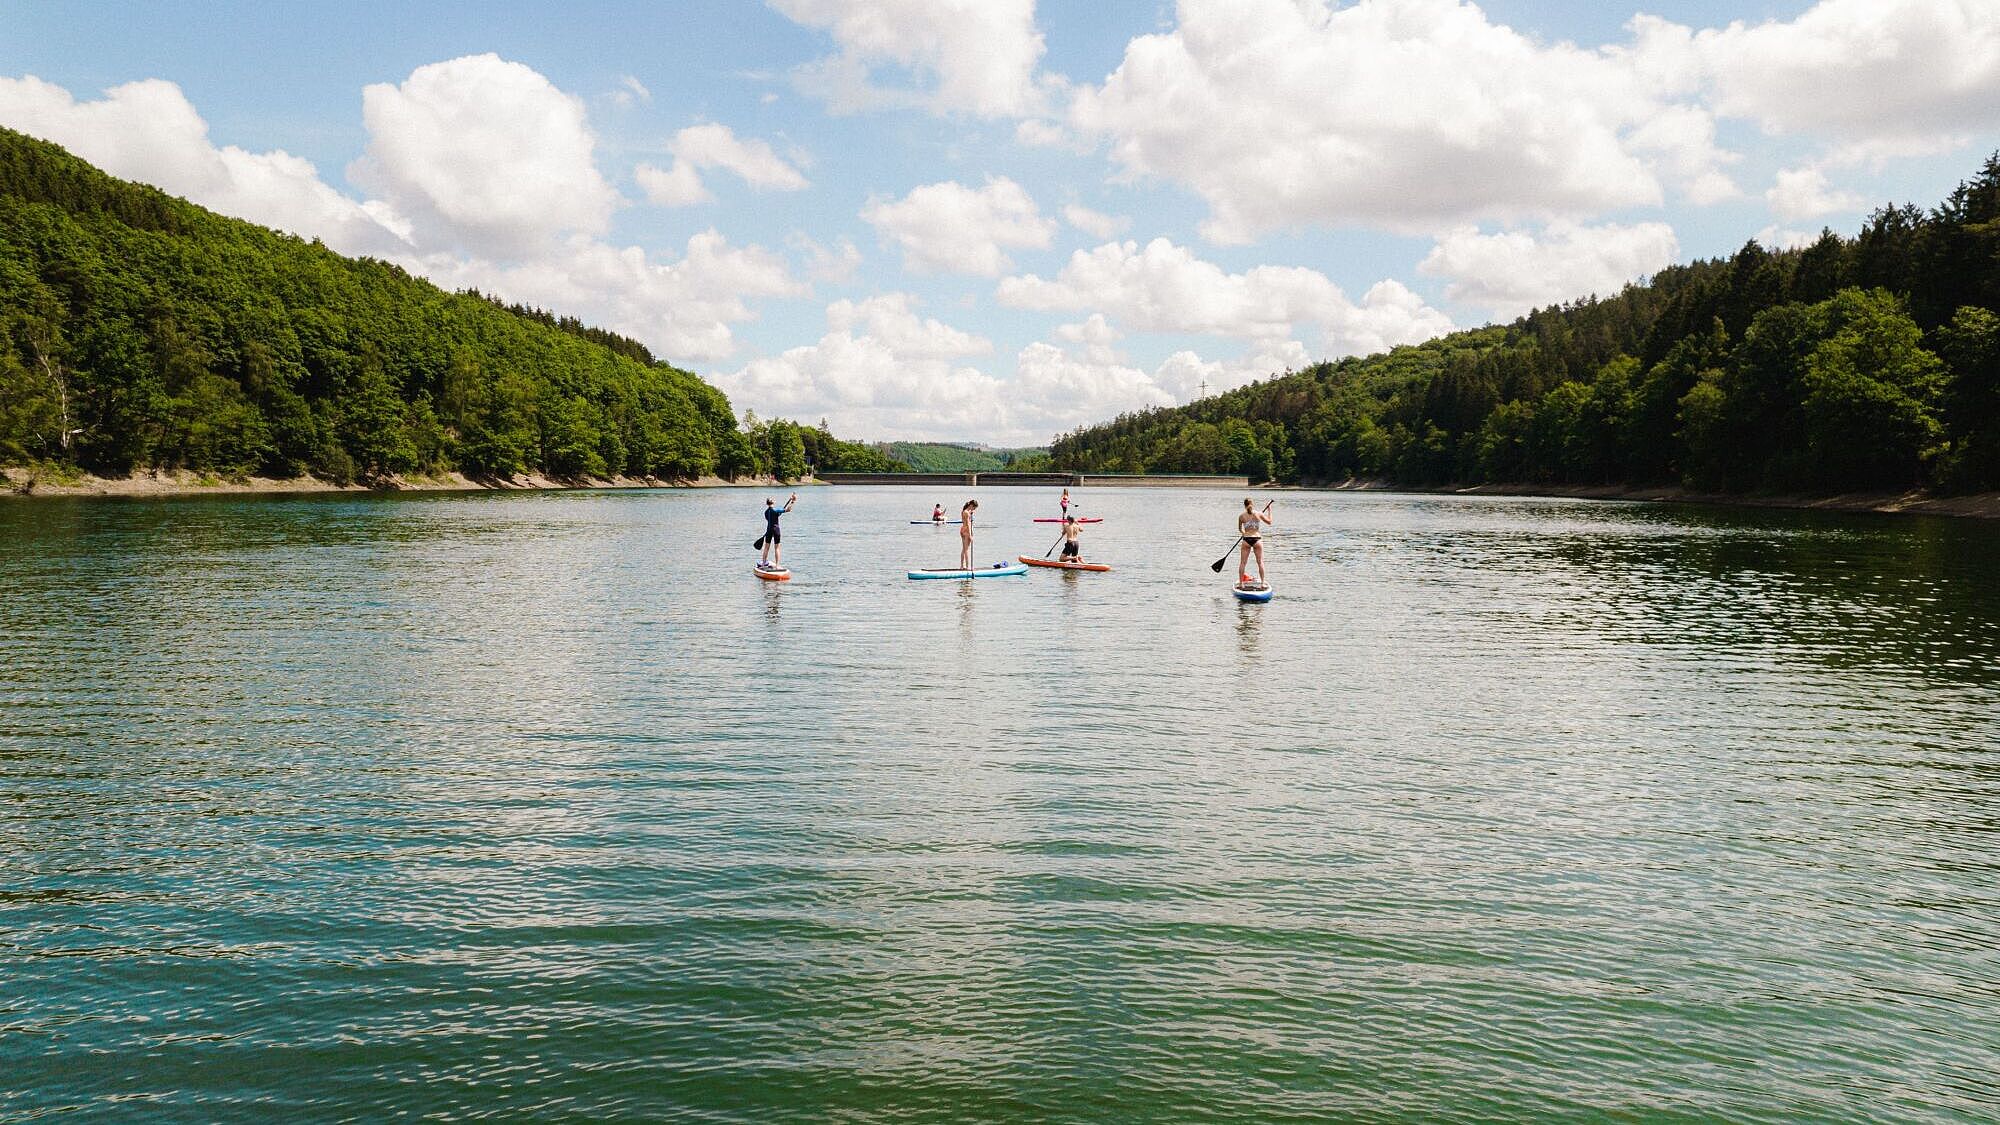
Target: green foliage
(137, 331)
(1863, 363)
(940, 457)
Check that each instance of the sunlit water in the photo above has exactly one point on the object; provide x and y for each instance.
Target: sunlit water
(542, 806)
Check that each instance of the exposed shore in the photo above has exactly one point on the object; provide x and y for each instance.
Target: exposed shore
(1978, 505)
(30, 483)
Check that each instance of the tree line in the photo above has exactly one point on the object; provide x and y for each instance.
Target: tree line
(139, 332)
(1863, 363)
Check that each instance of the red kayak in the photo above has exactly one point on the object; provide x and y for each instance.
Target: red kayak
(1079, 519)
(1062, 565)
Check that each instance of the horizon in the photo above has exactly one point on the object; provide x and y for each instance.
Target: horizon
(997, 226)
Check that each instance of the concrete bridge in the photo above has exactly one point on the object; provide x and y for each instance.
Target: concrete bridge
(1040, 480)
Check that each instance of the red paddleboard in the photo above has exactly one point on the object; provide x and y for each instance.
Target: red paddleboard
(1079, 519)
(1063, 565)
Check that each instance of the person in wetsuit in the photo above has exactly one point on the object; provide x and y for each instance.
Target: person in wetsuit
(773, 556)
(1250, 528)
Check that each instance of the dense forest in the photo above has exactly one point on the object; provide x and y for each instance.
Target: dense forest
(138, 331)
(1865, 363)
(944, 457)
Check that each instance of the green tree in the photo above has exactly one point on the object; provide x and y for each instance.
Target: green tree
(1871, 398)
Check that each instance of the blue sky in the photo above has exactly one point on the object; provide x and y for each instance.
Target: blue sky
(994, 220)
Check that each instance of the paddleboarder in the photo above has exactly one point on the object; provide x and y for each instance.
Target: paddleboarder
(937, 513)
(1250, 528)
(1072, 550)
(965, 534)
(773, 557)
(1065, 503)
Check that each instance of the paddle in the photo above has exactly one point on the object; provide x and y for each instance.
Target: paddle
(1217, 565)
(1052, 547)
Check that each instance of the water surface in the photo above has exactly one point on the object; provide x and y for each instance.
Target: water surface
(540, 805)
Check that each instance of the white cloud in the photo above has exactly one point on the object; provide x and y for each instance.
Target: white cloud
(1404, 114)
(678, 186)
(682, 309)
(148, 131)
(1096, 224)
(1511, 272)
(715, 146)
(879, 370)
(834, 264)
(1187, 377)
(1804, 193)
(950, 228)
(1162, 287)
(630, 92)
(1850, 69)
(484, 154)
(972, 56)
(1778, 238)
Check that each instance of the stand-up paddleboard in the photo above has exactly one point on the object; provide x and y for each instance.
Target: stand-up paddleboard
(997, 570)
(1052, 563)
(1079, 519)
(1251, 592)
(940, 523)
(772, 573)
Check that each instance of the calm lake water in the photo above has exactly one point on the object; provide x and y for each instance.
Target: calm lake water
(540, 805)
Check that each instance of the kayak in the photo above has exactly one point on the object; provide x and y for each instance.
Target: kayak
(1064, 565)
(1079, 519)
(772, 573)
(997, 570)
(1252, 592)
(940, 523)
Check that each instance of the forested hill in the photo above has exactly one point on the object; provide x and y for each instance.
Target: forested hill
(1858, 363)
(139, 331)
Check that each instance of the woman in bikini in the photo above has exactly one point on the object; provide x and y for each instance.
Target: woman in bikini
(965, 534)
(1250, 527)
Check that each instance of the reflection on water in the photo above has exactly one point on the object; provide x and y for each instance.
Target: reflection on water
(526, 806)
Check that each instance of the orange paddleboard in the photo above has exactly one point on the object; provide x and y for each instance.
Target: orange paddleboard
(1062, 565)
(772, 574)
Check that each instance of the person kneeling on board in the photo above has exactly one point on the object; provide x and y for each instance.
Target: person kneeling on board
(773, 557)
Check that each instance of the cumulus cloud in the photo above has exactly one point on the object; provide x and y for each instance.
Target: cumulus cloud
(681, 309)
(630, 92)
(970, 56)
(950, 228)
(1511, 272)
(1848, 69)
(1804, 193)
(1161, 287)
(715, 146)
(484, 154)
(1404, 114)
(1095, 223)
(149, 131)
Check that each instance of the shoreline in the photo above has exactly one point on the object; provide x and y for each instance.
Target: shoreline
(17, 482)
(1977, 505)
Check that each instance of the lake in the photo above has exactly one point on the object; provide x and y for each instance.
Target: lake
(541, 805)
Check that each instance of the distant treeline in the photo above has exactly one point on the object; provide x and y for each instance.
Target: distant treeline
(138, 331)
(1850, 364)
(944, 457)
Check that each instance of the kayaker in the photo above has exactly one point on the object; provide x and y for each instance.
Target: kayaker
(1250, 528)
(1072, 550)
(937, 513)
(965, 534)
(773, 556)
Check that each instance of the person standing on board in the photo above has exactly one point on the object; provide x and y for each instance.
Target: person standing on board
(1072, 550)
(1065, 503)
(965, 534)
(773, 556)
(1250, 528)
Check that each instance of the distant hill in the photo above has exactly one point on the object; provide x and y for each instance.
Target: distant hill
(139, 331)
(945, 457)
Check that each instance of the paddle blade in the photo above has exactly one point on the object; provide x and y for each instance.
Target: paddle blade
(1216, 566)
(759, 545)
